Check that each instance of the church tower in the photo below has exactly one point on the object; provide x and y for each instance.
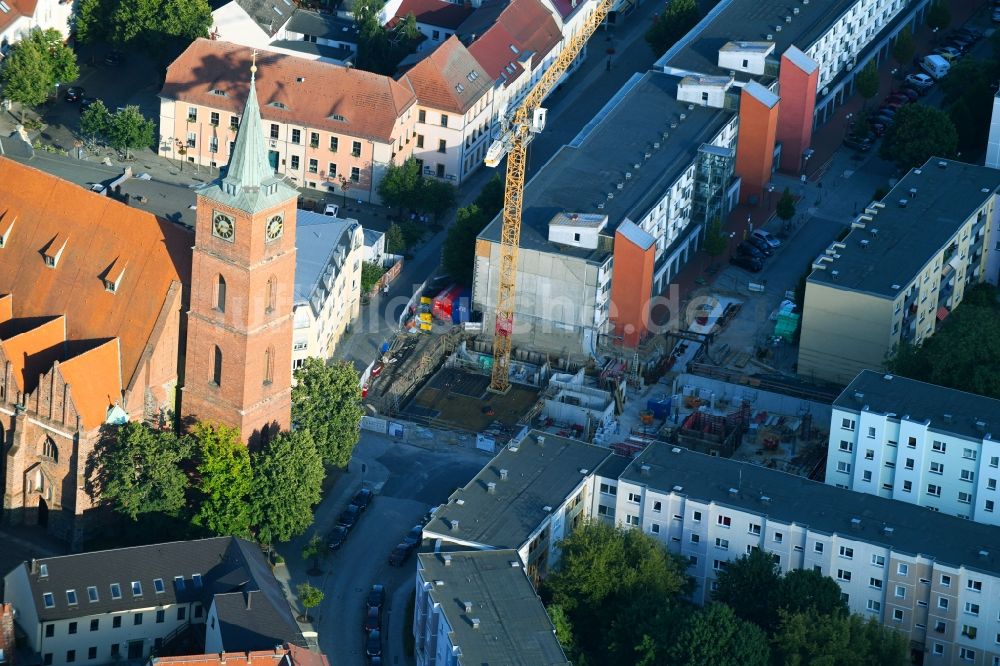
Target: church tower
(238, 365)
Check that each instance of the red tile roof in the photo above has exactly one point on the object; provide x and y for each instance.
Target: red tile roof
(311, 93)
(532, 25)
(95, 382)
(449, 79)
(493, 52)
(31, 352)
(6, 307)
(18, 8)
(99, 232)
(289, 655)
(437, 13)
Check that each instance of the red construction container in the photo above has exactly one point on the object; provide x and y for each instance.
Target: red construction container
(444, 302)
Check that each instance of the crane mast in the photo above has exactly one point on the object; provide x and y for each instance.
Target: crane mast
(527, 120)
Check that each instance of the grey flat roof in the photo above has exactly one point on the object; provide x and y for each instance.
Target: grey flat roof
(329, 26)
(538, 476)
(513, 626)
(909, 237)
(821, 508)
(317, 237)
(339, 53)
(581, 174)
(753, 20)
(919, 401)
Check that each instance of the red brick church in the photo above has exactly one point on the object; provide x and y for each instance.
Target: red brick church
(108, 314)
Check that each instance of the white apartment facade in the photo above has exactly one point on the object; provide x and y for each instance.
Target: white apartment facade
(19, 17)
(884, 441)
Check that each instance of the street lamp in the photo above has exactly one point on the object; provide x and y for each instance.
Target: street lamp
(770, 192)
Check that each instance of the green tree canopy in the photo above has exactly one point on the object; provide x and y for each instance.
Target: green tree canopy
(400, 185)
(804, 590)
(836, 640)
(490, 198)
(283, 510)
(939, 16)
(749, 586)
(786, 206)
(714, 635)
(866, 82)
(149, 24)
(370, 275)
(436, 196)
(35, 65)
(715, 239)
(142, 472)
(225, 480)
(458, 252)
(673, 23)
(903, 48)
(395, 242)
(326, 400)
(129, 129)
(95, 121)
(309, 597)
(968, 91)
(91, 21)
(918, 133)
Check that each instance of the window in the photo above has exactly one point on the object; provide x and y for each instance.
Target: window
(655, 529)
(897, 614)
(969, 454)
(692, 560)
(971, 608)
(71, 597)
(878, 560)
(718, 565)
(907, 486)
(871, 433)
(213, 118)
(47, 659)
(634, 498)
(938, 649)
(722, 544)
(608, 489)
(994, 461)
(92, 652)
(220, 294)
(967, 475)
(270, 294)
(192, 114)
(444, 120)
(940, 626)
(95, 624)
(847, 552)
(965, 498)
(724, 521)
(136, 588)
(420, 140)
(355, 174)
(974, 585)
(50, 451)
(939, 447)
(274, 131)
(137, 619)
(50, 630)
(356, 149)
(421, 116)
(866, 476)
(657, 506)
(900, 592)
(114, 650)
(234, 122)
(181, 613)
(160, 616)
(314, 140)
(442, 146)
(844, 575)
(70, 656)
(846, 446)
(933, 490)
(116, 622)
(902, 569)
(631, 520)
(695, 538)
(911, 442)
(295, 162)
(875, 583)
(313, 166)
(71, 628)
(937, 468)
(869, 454)
(818, 547)
(753, 529)
(439, 170)
(296, 136)
(196, 580)
(874, 606)
(778, 537)
(696, 516)
(334, 144)
(969, 630)
(49, 600)
(847, 424)
(908, 464)
(268, 365)
(991, 484)
(943, 603)
(217, 366)
(966, 654)
(844, 467)
(158, 586)
(989, 506)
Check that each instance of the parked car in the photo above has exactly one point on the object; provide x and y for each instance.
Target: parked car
(373, 646)
(746, 249)
(399, 555)
(336, 538)
(767, 237)
(373, 619)
(752, 264)
(975, 34)
(376, 596)
(363, 498)
(414, 536)
(946, 52)
(331, 210)
(761, 245)
(349, 516)
(892, 104)
(920, 81)
(899, 98)
(909, 92)
(114, 58)
(862, 144)
(73, 94)
(887, 110)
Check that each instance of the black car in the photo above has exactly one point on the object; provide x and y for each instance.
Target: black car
(114, 58)
(73, 94)
(752, 264)
(761, 245)
(376, 597)
(335, 539)
(373, 619)
(373, 646)
(349, 516)
(746, 249)
(862, 145)
(363, 498)
(399, 555)
(414, 536)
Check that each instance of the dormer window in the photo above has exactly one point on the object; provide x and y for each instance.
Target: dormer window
(54, 250)
(459, 88)
(5, 227)
(43, 571)
(278, 105)
(113, 276)
(219, 93)
(339, 118)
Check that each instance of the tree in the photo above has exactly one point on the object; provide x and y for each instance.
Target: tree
(326, 400)
(919, 132)
(310, 597)
(458, 254)
(401, 184)
(91, 21)
(804, 590)
(35, 65)
(749, 586)
(968, 91)
(866, 82)
(786, 206)
(142, 472)
(95, 121)
(394, 241)
(563, 627)
(676, 20)
(715, 239)
(903, 48)
(714, 635)
(938, 15)
(436, 196)
(314, 550)
(370, 275)
(130, 129)
(224, 480)
(841, 639)
(152, 24)
(490, 198)
(287, 483)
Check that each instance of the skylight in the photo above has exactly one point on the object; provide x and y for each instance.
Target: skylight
(43, 570)
(50, 601)
(4, 7)
(514, 49)
(71, 597)
(158, 585)
(116, 591)
(136, 588)
(92, 594)
(459, 87)
(179, 583)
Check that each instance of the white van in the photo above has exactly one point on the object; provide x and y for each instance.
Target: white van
(935, 65)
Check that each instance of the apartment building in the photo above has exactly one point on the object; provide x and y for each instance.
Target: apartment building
(437, 20)
(932, 577)
(528, 498)
(112, 605)
(918, 443)
(454, 109)
(613, 217)
(478, 607)
(901, 270)
(327, 283)
(327, 127)
(19, 17)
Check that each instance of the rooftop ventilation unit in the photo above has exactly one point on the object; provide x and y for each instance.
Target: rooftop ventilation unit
(541, 438)
(770, 37)
(765, 499)
(468, 606)
(584, 470)
(628, 175)
(460, 502)
(903, 202)
(683, 116)
(644, 470)
(777, 28)
(913, 193)
(454, 525)
(677, 489)
(985, 190)
(600, 206)
(796, 10)
(834, 274)
(447, 560)
(673, 124)
(637, 165)
(788, 19)
(676, 449)
(917, 171)
(874, 232)
(690, 107)
(888, 530)
(611, 195)
(855, 523)
(656, 145)
(475, 622)
(620, 185)
(503, 474)
(942, 164)
(895, 287)
(734, 492)
(547, 509)
(864, 244)
(984, 554)
(491, 487)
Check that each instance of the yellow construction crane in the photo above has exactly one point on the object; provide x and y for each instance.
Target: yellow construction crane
(517, 132)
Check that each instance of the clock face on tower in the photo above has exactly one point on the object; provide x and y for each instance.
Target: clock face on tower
(223, 226)
(274, 227)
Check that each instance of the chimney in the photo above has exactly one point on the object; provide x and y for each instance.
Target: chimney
(983, 554)
(855, 523)
(468, 606)
(503, 475)
(447, 560)
(491, 488)
(644, 470)
(734, 492)
(454, 525)
(475, 622)
(541, 440)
